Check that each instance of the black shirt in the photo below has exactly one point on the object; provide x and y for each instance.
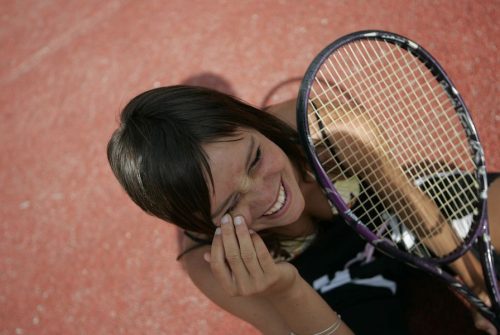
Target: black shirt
(363, 289)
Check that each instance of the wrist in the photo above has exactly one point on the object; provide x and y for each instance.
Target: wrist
(293, 291)
(305, 311)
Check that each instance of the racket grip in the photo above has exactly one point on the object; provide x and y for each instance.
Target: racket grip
(489, 271)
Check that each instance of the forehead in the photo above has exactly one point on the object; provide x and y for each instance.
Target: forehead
(216, 151)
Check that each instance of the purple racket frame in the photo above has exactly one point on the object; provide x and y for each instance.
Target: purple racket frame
(479, 229)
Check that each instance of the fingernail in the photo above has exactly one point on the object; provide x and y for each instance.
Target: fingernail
(251, 231)
(217, 231)
(238, 220)
(225, 219)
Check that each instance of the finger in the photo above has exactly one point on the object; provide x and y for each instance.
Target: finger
(232, 250)
(265, 260)
(485, 298)
(247, 249)
(220, 270)
(480, 322)
(483, 324)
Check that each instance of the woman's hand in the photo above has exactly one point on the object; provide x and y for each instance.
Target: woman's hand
(480, 321)
(242, 264)
(469, 272)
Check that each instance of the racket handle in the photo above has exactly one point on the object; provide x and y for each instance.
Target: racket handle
(486, 257)
(460, 288)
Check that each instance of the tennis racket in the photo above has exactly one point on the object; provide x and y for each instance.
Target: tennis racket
(376, 108)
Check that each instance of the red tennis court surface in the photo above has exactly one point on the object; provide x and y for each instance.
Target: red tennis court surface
(76, 256)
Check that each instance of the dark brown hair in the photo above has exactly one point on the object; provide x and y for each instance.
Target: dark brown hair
(157, 156)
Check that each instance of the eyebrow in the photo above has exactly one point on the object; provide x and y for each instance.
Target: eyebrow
(247, 167)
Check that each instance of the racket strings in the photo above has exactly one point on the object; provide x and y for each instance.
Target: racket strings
(436, 97)
(441, 99)
(399, 99)
(437, 190)
(393, 72)
(372, 200)
(405, 213)
(411, 136)
(388, 137)
(372, 203)
(418, 134)
(442, 93)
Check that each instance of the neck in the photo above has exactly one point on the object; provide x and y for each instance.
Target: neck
(317, 205)
(304, 226)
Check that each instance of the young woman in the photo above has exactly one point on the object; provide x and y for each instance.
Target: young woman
(261, 240)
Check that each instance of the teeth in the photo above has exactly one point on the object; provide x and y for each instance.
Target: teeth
(279, 203)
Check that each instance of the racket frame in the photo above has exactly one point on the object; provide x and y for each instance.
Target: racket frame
(479, 227)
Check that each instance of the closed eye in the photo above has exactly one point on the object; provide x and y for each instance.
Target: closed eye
(255, 162)
(258, 155)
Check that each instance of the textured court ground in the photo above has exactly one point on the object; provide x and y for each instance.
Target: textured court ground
(76, 256)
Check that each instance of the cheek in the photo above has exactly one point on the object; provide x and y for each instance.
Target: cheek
(298, 204)
(275, 159)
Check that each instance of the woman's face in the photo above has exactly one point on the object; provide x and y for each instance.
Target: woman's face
(254, 178)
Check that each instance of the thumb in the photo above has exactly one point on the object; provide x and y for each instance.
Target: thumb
(483, 324)
(206, 257)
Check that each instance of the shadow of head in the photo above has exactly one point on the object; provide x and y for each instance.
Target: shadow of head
(210, 80)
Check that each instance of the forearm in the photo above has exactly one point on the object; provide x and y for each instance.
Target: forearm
(470, 271)
(396, 192)
(258, 276)
(305, 311)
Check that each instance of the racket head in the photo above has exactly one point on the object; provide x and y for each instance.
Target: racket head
(334, 56)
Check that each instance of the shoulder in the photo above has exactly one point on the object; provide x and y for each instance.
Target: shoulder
(285, 111)
(192, 258)
(197, 268)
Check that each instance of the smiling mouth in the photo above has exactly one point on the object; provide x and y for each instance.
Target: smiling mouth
(279, 203)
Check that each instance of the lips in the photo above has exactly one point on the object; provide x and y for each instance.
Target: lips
(279, 203)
